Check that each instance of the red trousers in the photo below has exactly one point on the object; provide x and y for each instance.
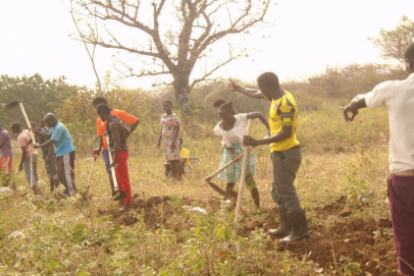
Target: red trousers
(122, 176)
(401, 198)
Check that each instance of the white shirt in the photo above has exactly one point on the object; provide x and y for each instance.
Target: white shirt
(234, 135)
(398, 97)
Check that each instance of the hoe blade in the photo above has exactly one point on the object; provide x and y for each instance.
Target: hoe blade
(11, 105)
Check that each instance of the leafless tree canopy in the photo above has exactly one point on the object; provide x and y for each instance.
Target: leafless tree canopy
(173, 35)
(393, 43)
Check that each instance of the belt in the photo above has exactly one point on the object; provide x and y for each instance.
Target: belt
(405, 173)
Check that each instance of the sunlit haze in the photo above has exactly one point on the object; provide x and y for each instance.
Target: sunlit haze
(306, 37)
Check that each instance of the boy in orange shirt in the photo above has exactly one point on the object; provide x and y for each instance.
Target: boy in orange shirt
(126, 118)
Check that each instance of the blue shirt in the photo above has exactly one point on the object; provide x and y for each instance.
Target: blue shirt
(63, 141)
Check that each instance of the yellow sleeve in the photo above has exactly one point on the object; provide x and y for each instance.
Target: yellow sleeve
(286, 110)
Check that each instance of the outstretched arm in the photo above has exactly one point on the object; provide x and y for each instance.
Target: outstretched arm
(46, 144)
(251, 93)
(41, 134)
(285, 133)
(357, 103)
(261, 117)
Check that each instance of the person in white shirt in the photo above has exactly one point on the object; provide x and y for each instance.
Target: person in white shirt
(232, 128)
(398, 97)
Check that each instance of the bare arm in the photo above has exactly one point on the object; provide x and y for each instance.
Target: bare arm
(117, 141)
(43, 135)
(45, 144)
(251, 93)
(357, 103)
(97, 151)
(134, 126)
(261, 117)
(285, 133)
(159, 138)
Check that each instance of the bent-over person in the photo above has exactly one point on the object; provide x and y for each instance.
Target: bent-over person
(119, 150)
(60, 138)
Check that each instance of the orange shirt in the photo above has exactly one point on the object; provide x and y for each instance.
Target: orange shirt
(126, 118)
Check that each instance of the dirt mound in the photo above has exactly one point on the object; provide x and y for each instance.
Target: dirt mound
(339, 240)
(156, 211)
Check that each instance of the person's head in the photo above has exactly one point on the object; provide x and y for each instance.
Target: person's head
(268, 82)
(15, 128)
(218, 102)
(34, 125)
(167, 106)
(42, 124)
(181, 142)
(104, 111)
(226, 112)
(99, 100)
(409, 58)
(50, 119)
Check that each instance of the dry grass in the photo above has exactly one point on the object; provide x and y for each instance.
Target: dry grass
(81, 237)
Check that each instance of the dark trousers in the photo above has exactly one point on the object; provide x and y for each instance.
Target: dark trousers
(285, 165)
(401, 198)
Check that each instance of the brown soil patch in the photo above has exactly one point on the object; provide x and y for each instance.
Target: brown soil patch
(340, 240)
(156, 212)
(366, 242)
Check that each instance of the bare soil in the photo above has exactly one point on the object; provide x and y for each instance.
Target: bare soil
(342, 238)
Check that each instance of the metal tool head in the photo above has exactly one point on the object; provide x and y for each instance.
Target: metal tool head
(11, 105)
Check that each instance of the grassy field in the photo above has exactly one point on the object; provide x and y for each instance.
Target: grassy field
(342, 185)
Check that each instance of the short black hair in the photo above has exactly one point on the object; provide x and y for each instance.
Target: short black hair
(15, 125)
(99, 100)
(103, 108)
(226, 107)
(269, 80)
(168, 102)
(218, 102)
(181, 141)
(409, 52)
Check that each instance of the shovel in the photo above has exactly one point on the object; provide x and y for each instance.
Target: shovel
(19, 103)
(112, 168)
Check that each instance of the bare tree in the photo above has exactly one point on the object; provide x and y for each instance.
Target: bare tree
(393, 43)
(173, 35)
(94, 34)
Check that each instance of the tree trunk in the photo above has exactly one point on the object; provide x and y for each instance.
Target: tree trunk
(182, 89)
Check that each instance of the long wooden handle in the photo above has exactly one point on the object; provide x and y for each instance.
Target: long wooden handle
(29, 125)
(226, 165)
(90, 174)
(243, 175)
(112, 168)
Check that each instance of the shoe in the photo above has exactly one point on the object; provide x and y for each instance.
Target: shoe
(285, 228)
(299, 227)
(120, 196)
(125, 208)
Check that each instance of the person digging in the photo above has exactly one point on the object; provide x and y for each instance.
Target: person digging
(125, 118)
(119, 150)
(231, 130)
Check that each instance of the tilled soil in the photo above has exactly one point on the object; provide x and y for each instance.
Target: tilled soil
(341, 239)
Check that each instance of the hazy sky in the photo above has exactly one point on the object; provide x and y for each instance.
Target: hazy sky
(307, 37)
